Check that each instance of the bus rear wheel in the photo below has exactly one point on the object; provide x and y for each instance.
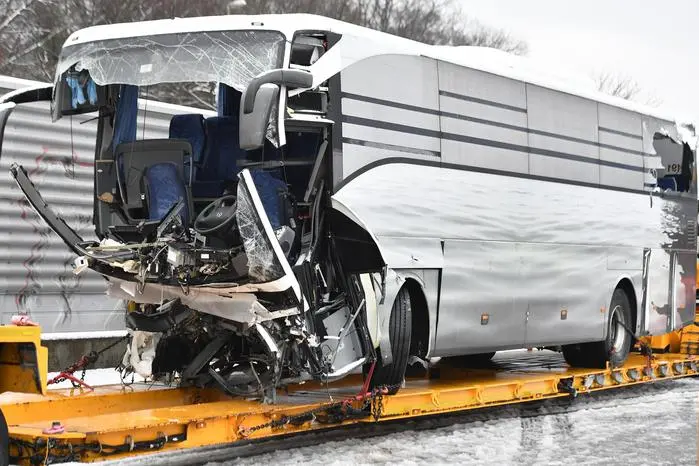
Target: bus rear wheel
(613, 349)
(400, 327)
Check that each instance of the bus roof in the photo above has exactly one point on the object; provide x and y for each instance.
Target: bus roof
(480, 58)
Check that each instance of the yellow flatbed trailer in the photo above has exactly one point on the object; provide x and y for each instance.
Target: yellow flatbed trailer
(118, 421)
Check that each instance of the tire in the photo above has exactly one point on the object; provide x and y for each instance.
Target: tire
(400, 328)
(4, 442)
(573, 355)
(471, 360)
(613, 349)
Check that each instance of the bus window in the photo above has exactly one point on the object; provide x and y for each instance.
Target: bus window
(678, 164)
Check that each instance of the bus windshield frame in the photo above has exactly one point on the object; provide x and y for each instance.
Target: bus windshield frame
(230, 57)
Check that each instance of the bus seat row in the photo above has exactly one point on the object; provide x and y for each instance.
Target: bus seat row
(217, 159)
(215, 151)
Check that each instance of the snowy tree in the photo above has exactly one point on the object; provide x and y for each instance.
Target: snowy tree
(618, 86)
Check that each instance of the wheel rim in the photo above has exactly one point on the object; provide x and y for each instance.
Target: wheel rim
(616, 329)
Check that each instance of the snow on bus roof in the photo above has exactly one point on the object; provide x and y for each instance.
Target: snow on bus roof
(480, 58)
(525, 69)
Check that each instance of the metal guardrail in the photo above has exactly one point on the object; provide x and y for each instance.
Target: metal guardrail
(36, 274)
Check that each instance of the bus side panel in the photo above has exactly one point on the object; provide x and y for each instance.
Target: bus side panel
(563, 138)
(481, 303)
(566, 289)
(390, 108)
(483, 119)
(482, 219)
(620, 134)
(494, 173)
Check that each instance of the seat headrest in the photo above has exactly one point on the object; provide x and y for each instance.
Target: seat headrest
(190, 126)
(222, 123)
(222, 149)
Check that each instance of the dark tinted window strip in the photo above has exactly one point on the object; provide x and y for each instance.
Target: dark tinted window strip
(476, 100)
(389, 103)
(620, 133)
(545, 152)
(353, 120)
(379, 145)
(490, 171)
(485, 142)
(483, 121)
(621, 149)
(540, 133)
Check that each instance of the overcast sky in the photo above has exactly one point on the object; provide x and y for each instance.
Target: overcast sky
(655, 43)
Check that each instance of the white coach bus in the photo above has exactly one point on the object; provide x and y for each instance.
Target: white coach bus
(361, 199)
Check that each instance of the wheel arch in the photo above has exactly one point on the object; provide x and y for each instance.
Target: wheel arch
(420, 334)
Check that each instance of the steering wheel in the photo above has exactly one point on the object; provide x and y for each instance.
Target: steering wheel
(216, 216)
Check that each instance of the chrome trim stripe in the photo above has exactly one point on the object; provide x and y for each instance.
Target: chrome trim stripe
(389, 103)
(476, 100)
(393, 147)
(620, 133)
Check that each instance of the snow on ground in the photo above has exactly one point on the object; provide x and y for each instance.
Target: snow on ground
(651, 425)
(82, 335)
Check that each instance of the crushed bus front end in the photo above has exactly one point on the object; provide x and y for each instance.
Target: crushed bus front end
(220, 236)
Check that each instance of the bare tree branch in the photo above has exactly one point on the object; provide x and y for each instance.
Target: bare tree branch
(618, 86)
(624, 87)
(14, 13)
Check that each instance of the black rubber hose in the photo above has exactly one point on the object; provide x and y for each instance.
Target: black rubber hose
(4, 442)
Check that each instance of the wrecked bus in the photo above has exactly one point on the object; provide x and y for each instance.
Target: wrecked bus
(361, 201)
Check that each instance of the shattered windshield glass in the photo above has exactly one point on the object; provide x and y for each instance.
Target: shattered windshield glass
(230, 57)
(263, 265)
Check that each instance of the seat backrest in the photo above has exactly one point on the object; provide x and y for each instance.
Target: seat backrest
(164, 187)
(190, 127)
(133, 158)
(274, 195)
(221, 155)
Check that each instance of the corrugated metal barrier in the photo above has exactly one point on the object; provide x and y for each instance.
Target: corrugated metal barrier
(36, 274)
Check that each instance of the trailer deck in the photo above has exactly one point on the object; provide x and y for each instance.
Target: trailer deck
(116, 421)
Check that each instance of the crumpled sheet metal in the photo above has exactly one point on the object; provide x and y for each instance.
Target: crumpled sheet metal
(240, 306)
